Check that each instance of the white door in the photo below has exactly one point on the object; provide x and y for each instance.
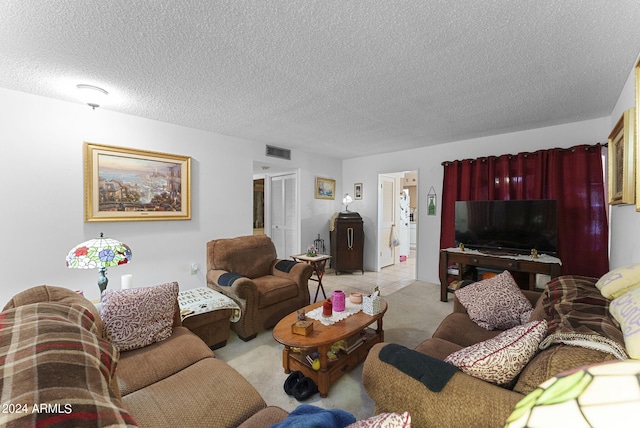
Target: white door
(284, 214)
(387, 220)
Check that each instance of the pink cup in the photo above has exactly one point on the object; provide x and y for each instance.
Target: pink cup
(338, 301)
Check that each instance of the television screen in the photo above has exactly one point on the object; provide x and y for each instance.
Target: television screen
(508, 226)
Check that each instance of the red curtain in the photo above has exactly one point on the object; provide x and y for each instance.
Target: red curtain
(574, 177)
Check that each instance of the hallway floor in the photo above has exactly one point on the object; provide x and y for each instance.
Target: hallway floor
(389, 280)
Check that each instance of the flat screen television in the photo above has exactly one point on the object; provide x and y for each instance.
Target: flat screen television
(514, 227)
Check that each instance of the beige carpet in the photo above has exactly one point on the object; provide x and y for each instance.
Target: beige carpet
(413, 314)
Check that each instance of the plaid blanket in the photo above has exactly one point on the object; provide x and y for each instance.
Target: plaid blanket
(55, 370)
(579, 316)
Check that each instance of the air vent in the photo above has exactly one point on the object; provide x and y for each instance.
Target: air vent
(277, 152)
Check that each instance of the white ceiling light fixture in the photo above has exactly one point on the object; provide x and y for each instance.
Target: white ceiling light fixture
(93, 96)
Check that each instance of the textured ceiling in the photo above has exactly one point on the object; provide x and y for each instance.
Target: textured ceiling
(348, 78)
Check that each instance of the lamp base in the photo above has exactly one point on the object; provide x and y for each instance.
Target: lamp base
(103, 281)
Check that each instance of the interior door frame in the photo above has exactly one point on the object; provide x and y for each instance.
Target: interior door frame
(267, 208)
(381, 179)
(399, 185)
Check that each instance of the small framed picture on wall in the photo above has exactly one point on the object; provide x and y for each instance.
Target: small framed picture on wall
(357, 191)
(325, 188)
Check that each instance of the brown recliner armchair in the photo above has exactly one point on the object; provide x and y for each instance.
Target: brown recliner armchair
(247, 270)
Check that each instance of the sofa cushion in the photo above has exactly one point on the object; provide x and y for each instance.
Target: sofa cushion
(459, 329)
(142, 367)
(52, 357)
(208, 393)
(538, 312)
(494, 303)
(619, 281)
(137, 317)
(626, 310)
(500, 360)
(437, 348)
(554, 360)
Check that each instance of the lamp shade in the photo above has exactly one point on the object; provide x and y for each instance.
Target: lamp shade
(99, 253)
(601, 395)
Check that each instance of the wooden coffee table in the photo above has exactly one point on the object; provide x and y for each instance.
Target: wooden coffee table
(322, 337)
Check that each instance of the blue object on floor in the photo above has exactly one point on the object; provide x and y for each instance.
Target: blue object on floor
(308, 416)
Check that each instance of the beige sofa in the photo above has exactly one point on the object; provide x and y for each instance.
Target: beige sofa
(175, 382)
(468, 401)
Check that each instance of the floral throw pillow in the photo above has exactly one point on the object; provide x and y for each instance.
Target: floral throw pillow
(137, 317)
(500, 359)
(495, 303)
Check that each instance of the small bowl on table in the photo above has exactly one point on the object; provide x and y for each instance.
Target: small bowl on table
(355, 298)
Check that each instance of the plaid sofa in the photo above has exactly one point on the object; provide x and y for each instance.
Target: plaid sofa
(57, 369)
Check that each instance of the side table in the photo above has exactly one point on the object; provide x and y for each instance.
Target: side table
(318, 263)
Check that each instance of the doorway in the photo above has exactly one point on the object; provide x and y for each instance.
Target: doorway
(386, 229)
(276, 198)
(397, 219)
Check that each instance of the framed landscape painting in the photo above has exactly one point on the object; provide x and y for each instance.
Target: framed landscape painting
(135, 185)
(622, 160)
(325, 188)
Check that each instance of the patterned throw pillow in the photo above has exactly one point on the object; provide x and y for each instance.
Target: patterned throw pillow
(619, 281)
(495, 303)
(500, 359)
(137, 317)
(385, 420)
(625, 310)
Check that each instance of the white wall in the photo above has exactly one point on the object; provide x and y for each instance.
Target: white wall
(42, 180)
(427, 161)
(42, 187)
(625, 221)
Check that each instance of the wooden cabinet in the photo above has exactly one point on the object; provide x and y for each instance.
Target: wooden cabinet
(471, 259)
(347, 242)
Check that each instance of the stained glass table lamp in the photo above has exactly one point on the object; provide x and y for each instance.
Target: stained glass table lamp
(602, 395)
(99, 253)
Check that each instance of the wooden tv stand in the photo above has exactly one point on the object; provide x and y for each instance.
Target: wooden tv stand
(548, 265)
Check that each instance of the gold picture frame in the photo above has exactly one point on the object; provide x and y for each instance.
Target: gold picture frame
(325, 188)
(637, 121)
(621, 153)
(124, 184)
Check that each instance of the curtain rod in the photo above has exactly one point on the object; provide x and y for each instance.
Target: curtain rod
(585, 146)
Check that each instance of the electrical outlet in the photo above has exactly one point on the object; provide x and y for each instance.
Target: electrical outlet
(194, 268)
